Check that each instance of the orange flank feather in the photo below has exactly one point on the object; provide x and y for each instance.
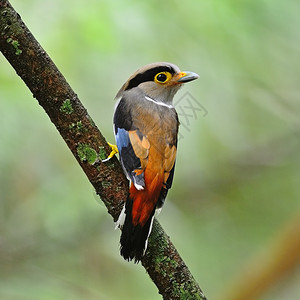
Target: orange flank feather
(156, 163)
(144, 201)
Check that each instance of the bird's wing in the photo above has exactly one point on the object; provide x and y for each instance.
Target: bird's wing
(169, 167)
(169, 163)
(133, 146)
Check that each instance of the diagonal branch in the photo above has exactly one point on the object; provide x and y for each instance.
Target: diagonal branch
(162, 261)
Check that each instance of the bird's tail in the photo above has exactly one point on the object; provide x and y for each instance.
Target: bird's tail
(139, 213)
(134, 237)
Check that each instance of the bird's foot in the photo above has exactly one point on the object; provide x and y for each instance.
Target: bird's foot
(114, 151)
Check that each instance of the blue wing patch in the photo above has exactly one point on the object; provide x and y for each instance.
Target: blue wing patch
(122, 138)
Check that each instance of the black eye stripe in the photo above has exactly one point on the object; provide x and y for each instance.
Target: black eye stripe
(148, 76)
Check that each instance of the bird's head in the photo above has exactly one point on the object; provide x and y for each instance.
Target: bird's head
(160, 81)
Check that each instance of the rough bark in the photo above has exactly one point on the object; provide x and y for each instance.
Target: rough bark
(162, 262)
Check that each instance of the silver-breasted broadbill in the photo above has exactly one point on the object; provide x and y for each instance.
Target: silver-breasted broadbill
(146, 129)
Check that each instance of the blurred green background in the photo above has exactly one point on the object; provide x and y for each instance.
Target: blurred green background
(236, 183)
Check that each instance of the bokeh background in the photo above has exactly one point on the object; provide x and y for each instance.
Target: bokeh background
(233, 211)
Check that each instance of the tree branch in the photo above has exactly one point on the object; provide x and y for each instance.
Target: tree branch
(162, 261)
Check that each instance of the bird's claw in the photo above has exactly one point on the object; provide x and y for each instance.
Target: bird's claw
(114, 151)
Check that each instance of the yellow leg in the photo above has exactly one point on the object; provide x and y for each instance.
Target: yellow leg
(114, 151)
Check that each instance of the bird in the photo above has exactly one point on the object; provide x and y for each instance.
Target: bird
(146, 132)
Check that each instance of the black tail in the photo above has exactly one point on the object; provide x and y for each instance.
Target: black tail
(133, 238)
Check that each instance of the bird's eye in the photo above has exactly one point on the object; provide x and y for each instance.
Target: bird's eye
(162, 77)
